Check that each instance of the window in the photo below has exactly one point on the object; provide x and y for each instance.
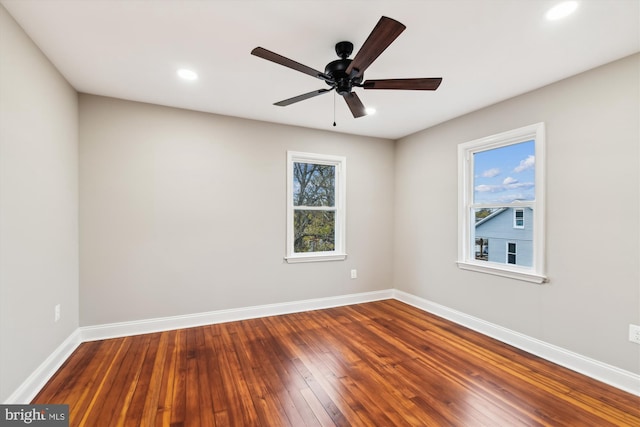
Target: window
(501, 204)
(315, 207)
(518, 218)
(511, 253)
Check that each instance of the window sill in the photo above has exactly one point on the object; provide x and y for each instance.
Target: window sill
(315, 258)
(526, 276)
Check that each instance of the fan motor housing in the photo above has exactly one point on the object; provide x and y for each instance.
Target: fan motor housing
(337, 70)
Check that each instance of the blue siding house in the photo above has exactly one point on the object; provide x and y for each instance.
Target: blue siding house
(506, 236)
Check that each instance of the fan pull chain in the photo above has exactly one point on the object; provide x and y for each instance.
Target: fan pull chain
(334, 108)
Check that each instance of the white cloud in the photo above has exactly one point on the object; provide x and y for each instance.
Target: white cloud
(509, 180)
(508, 185)
(510, 198)
(483, 188)
(525, 164)
(490, 173)
(520, 186)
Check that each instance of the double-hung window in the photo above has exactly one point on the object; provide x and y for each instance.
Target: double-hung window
(315, 207)
(501, 204)
(518, 218)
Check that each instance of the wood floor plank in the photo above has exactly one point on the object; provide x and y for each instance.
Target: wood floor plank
(383, 363)
(104, 390)
(141, 386)
(179, 396)
(218, 394)
(129, 377)
(302, 358)
(274, 376)
(238, 396)
(88, 385)
(166, 378)
(145, 410)
(362, 362)
(260, 387)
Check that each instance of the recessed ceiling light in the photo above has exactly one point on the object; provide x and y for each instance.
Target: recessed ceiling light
(186, 74)
(370, 111)
(562, 10)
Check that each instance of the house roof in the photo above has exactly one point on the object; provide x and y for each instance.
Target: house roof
(491, 216)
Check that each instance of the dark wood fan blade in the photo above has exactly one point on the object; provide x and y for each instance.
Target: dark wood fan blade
(383, 34)
(290, 63)
(404, 84)
(302, 97)
(355, 105)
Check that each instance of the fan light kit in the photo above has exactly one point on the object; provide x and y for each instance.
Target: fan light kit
(344, 74)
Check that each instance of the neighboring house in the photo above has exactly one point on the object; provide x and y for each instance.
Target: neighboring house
(506, 236)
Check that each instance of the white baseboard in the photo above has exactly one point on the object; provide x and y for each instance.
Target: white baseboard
(113, 330)
(34, 383)
(608, 374)
(600, 371)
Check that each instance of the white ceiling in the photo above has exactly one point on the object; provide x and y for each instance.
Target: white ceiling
(485, 50)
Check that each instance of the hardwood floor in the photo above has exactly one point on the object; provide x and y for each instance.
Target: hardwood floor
(376, 364)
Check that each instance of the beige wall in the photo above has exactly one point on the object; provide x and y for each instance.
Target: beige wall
(184, 212)
(38, 207)
(593, 192)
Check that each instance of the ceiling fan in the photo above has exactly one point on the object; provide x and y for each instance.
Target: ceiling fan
(344, 74)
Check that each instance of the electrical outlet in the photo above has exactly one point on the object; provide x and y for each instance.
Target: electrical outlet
(634, 333)
(56, 312)
(354, 274)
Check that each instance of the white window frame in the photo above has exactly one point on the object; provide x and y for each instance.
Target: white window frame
(339, 252)
(515, 218)
(466, 247)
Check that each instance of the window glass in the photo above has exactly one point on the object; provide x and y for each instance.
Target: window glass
(505, 174)
(313, 185)
(314, 231)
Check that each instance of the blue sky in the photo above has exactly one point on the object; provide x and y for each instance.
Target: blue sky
(505, 174)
